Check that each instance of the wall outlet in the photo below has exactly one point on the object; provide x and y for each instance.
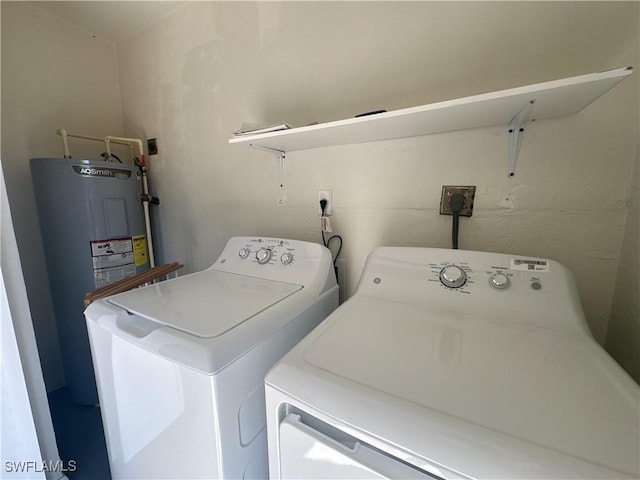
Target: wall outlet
(469, 195)
(328, 196)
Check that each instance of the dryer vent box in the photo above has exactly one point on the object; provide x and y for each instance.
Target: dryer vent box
(469, 193)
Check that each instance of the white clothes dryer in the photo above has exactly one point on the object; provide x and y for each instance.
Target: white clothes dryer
(453, 364)
(180, 365)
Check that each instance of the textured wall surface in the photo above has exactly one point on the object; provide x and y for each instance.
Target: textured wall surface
(198, 75)
(623, 335)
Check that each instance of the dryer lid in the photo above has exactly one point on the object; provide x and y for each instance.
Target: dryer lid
(205, 304)
(557, 390)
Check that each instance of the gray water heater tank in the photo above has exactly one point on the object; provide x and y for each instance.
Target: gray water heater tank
(93, 233)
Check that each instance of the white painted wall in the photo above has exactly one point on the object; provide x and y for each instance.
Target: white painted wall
(53, 75)
(196, 76)
(623, 336)
(25, 420)
(18, 437)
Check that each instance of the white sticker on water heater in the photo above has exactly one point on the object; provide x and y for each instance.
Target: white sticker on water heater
(111, 247)
(112, 260)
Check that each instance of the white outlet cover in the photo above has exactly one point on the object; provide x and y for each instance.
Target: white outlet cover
(326, 194)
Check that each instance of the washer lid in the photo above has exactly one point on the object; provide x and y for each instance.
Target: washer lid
(553, 389)
(205, 304)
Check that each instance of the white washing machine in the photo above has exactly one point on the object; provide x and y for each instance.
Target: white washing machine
(180, 365)
(453, 364)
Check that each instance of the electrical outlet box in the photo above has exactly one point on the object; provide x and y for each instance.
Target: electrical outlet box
(152, 146)
(327, 195)
(469, 194)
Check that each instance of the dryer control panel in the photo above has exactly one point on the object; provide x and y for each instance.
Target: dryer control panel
(461, 276)
(291, 261)
(519, 288)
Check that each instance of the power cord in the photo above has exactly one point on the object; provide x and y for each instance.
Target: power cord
(107, 156)
(327, 242)
(456, 202)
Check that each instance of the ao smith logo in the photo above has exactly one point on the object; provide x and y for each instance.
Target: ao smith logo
(96, 171)
(101, 172)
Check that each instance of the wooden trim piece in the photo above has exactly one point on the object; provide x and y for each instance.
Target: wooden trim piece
(130, 282)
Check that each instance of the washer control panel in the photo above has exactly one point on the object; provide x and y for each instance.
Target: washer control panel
(268, 251)
(286, 258)
(263, 255)
(292, 261)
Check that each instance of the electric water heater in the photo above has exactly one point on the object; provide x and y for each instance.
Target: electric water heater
(93, 233)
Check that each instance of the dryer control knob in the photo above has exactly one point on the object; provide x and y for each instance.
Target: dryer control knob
(286, 258)
(453, 276)
(499, 281)
(244, 252)
(263, 255)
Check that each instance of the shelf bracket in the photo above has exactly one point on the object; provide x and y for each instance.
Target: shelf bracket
(516, 129)
(282, 156)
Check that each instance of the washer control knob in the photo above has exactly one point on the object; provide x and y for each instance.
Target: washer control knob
(499, 281)
(286, 258)
(244, 252)
(453, 276)
(264, 255)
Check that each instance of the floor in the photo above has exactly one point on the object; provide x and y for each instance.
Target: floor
(80, 437)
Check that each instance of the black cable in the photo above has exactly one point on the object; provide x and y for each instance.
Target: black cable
(327, 242)
(107, 156)
(454, 230)
(456, 202)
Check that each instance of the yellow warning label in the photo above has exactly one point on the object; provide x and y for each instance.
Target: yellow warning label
(140, 249)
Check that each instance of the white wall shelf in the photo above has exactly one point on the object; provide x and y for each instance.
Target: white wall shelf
(512, 108)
